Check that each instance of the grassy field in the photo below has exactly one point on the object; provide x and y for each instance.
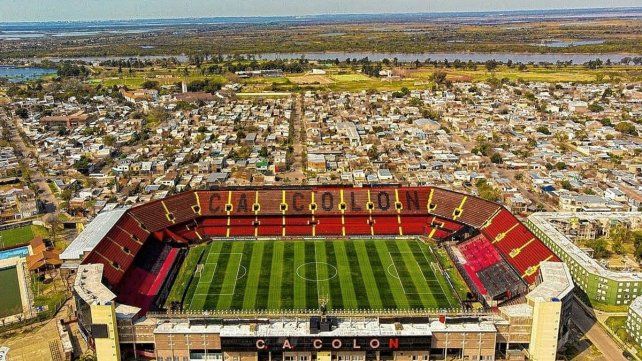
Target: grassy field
(349, 79)
(10, 303)
(354, 274)
(16, 236)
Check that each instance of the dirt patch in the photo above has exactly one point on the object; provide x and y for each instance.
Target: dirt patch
(311, 80)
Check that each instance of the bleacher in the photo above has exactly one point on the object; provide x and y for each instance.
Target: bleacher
(130, 225)
(213, 227)
(500, 282)
(298, 226)
(329, 226)
(356, 225)
(517, 244)
(477, 211)
(445, 202)
(413, 224)
(118, 248)
(183, 207)
(152, 216)
(241, 226)
(479, 253)
(386, 225)
(270, 226)
(322, 211)
(147, 275)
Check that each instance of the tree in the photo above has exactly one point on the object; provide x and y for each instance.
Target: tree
(68, 69)
(496, 158)
(439, 77)
(109, 140)
(595, 107)
(486, 191)
(23, 113)
(599, 247)
(543, 129)
(491, 65)
(626, 128)
(150, 84)
(82, 164)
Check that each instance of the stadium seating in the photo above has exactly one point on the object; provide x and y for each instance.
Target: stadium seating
(298, 226)
(476, 211)
(270, 226)
(242, 226)
(357, 225)
(329, 226)
(183, 207)
(479, 253)
(414, 200)
(517, 244)
(446, 202)
(315, 211)
(413, 224)
(146, 277)
(152, 216)
(386, 225)
(130, 225)
(477, 283)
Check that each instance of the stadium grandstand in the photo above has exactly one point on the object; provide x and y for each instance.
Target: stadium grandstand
(329, 253)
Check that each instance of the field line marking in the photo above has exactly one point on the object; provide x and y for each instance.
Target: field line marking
(422, 275)
(397, 271)
(427, 260)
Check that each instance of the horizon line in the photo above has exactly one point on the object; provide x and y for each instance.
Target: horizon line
(319, 15)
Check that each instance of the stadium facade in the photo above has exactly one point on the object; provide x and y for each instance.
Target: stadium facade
(601, 284)
(127, 263)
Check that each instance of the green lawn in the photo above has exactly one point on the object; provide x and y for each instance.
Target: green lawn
(10, 302)
(16, 236)
(346, 274)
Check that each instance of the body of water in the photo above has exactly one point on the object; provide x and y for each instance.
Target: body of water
(525, 58)
(475, 57)
(567, 44)
(18, 74)
(16, 252)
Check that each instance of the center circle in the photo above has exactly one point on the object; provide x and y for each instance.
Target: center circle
(332, 271)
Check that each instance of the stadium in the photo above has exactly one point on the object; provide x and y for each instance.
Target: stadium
(318, 273)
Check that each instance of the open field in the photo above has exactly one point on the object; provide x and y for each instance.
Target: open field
(350, 79)
(16, 236)
(310, 79)
(345, 274)
(389, 34)
(10, 302)
(137, 79)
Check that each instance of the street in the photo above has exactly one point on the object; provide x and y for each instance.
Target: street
(596, 334)
(26, 153)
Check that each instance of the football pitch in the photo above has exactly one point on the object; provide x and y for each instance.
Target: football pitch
(282, 275)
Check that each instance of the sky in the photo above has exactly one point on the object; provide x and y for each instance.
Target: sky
(73, 10)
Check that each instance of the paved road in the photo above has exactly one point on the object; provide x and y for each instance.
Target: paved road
(507, 173)
(296, 174)
(596, 334)
(25, 152)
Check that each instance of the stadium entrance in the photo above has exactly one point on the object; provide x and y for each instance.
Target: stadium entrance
(310, 348)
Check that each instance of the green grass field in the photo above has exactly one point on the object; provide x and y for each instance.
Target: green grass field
(16, 236)
(10, 303)
(347, 274)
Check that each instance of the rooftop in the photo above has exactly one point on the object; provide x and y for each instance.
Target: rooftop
(556, 281)
(345, 328)
(92, 234)
(543, 222)
(88, 285)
